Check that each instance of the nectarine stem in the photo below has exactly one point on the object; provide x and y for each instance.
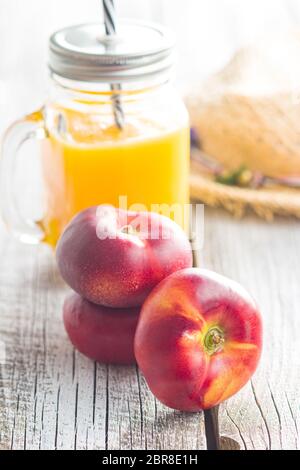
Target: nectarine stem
(213, 340)
(130, 230)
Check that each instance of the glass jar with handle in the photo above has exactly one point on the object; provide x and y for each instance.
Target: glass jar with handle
(87, 159)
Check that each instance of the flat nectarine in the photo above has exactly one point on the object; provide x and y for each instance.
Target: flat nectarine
(101, 333)
(198, 339)
(114, 258)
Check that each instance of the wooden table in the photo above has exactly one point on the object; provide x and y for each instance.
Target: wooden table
(52, 397)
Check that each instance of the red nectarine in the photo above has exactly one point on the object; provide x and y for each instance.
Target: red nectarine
(115, 258)
(198, 339)
(101, 333)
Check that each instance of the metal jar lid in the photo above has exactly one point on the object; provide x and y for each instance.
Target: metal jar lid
(85, 53)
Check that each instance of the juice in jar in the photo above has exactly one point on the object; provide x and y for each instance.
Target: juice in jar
(143, 162)
(89, 156)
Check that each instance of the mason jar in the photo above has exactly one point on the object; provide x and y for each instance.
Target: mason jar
(113, 130)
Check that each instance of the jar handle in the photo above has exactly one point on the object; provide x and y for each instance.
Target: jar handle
(30, 127)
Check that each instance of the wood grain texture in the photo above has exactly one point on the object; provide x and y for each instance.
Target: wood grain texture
(52, 397)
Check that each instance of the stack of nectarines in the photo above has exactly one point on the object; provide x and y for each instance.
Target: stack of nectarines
(113, 259)
(195, 335)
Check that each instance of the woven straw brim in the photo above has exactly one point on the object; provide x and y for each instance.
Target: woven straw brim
(265, 202)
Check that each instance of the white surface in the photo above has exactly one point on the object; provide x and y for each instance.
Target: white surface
(53, 397)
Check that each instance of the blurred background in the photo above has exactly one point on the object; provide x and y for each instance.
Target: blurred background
(248, 117)
(208, 32)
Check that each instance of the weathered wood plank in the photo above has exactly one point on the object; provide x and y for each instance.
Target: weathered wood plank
(265, 259)
(52, 397)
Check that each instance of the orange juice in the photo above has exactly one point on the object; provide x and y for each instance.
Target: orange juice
(142, 163)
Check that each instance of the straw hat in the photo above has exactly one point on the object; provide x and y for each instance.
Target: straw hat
(248, 115)
(265, 202)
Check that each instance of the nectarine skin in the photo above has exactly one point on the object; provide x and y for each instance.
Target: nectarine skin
(121, 269)
(103, 334)
(198, 339)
